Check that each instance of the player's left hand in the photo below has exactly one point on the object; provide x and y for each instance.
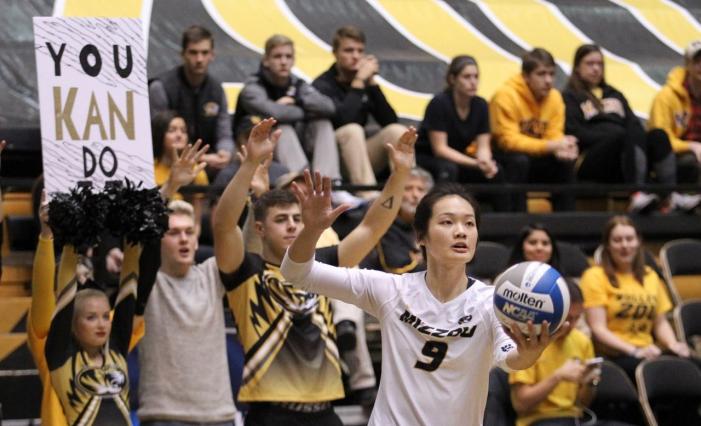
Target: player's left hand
(530, 346)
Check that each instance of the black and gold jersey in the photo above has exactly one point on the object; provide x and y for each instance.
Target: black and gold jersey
(93, 394)
(287, 334)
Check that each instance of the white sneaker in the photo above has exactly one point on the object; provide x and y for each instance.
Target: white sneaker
(684, 202)
(642, 202)
(345, 197)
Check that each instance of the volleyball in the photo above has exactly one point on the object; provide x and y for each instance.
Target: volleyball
(532, 291)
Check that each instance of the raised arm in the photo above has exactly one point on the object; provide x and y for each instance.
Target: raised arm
(228, 241)
(125, 305)
(43, 298)
(383, 210)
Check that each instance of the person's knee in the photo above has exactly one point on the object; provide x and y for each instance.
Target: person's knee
(517, 165)
(350, 133)
(658, 145)
(395, 130)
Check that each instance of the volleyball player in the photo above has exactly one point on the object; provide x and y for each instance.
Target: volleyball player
(440, 336)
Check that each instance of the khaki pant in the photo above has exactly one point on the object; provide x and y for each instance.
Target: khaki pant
(362, 157)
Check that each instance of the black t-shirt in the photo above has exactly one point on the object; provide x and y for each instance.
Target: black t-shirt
(441, 116)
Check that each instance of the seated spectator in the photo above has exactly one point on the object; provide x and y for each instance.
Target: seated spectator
(454, 139)
(613, 145)
(626, 302)
(350, 82)
(552, 392)
(535, 243)
(398, 251)
(169, 133)
(677, 110)
(198, 97)
(273, 91)
(528, 121)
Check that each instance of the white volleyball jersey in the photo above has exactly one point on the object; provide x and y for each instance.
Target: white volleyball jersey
(436, 356)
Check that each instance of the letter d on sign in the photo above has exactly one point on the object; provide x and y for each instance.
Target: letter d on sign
(88, 171)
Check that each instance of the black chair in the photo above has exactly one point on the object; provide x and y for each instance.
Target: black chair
(489, 261)
(499, 411)
(687, 319)
(670, 391)
(616, 398)
(573, 261)
(682, 270)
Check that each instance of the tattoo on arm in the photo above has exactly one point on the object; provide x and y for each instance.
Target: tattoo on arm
(388, 203)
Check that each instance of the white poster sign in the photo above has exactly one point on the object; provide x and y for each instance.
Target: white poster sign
(93, 101)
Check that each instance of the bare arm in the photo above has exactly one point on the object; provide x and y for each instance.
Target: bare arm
(383, 210)
(440, 147)
(43, 298)
(665, 335)
(228, 241)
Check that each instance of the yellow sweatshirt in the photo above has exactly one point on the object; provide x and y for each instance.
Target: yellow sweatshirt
(671, 109)
(520, 123)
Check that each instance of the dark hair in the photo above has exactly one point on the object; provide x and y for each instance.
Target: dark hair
(347, 31)
(575, 82)
(538, 56)
(576, 295)
(457, 65)
(195, 34)
(272, 198)
(517, 251)
(159, 127)
(606, 258)
(424, 211)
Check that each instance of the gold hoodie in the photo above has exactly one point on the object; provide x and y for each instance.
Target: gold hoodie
(671, 109)
(520, 123)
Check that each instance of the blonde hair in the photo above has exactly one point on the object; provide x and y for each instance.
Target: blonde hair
(277, 40)
(182, 208)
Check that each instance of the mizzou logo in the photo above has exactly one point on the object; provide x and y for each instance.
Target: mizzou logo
(102, 381)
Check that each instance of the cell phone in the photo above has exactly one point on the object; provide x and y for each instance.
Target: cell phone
(594, 361)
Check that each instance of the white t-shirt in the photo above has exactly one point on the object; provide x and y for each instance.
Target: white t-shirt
(436, 356)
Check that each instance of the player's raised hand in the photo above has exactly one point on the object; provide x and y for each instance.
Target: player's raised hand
(402, 153)
(261, 143)
(315, 200)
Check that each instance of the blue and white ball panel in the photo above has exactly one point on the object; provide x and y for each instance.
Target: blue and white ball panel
(531, 291)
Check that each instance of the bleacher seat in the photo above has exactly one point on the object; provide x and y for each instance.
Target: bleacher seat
(682, 269)
(670, 391)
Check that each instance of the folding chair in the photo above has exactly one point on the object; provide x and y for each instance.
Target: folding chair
(573, 261)
(489, 261)
(616, 398)
(670, 391)
(687, 319)
(499, 411)
(682, 269)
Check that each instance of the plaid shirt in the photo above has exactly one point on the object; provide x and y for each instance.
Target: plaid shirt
(693, 128)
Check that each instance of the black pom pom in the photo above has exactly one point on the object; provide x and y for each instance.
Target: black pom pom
(139, 215)
(78, 218)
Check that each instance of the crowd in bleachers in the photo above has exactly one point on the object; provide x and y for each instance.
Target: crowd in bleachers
(294, 346)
